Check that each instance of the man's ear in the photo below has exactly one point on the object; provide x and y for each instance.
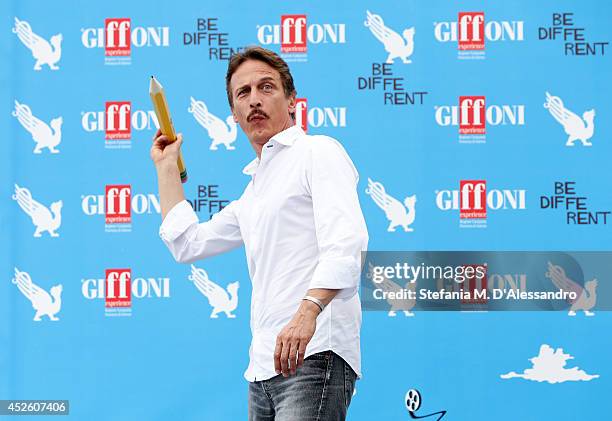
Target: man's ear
(292, 103)
(234, 115)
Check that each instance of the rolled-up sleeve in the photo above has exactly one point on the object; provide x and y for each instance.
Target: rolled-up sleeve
(340, 227)
(189, 240)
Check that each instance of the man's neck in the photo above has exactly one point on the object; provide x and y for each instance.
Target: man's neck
(259, 147)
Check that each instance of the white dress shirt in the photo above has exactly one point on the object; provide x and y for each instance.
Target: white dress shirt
(301, 224)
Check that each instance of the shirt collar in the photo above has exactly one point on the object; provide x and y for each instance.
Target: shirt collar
(286, 138)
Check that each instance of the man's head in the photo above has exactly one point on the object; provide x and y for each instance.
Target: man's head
(261, 94)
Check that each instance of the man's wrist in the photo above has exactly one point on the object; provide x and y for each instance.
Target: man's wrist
(310, 308)
(167, 168)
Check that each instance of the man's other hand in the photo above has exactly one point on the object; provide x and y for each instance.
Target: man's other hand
(292, 340)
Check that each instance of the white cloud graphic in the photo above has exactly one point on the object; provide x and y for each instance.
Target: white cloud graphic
(549, 366)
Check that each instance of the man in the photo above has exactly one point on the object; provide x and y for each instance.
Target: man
(301, 224)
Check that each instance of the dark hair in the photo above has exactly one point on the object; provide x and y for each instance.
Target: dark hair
(267, 56)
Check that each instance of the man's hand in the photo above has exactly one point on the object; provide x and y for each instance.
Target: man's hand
(164, 155)
(292, 340)
(163, 150)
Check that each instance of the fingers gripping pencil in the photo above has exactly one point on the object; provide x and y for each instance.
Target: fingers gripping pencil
(165, 122)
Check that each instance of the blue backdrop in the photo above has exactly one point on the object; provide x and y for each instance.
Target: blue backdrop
(432, 100)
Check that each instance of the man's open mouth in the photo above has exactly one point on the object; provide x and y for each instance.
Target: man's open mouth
(257, 117)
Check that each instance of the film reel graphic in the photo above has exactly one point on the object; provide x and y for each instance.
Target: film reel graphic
(413, 402)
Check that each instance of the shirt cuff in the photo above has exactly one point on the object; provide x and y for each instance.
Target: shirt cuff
(337, 273)
(180, 217)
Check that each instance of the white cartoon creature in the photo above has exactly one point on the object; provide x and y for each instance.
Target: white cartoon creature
(218, 131)
(397, 214)
(576, 128)
(44, 303)
(395, 45)
(586, 297)
(220, 299)
(43, 218)
(45, 135)
(387, 286)
(45, 52)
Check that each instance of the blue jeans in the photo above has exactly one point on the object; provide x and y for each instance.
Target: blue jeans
(320, 390)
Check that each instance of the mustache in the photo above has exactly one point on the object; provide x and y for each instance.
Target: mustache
(255, 113)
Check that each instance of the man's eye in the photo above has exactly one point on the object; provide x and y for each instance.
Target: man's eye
(267, 87)
(241, 93)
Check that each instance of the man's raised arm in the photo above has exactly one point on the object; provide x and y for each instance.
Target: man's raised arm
(165, 155)
(186, 238)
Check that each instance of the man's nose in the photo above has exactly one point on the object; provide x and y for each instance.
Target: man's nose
(255, 99)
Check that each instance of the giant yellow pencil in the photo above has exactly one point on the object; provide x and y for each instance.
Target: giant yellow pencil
(165, 122)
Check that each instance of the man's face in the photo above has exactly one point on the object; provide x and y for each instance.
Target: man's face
(260, 105)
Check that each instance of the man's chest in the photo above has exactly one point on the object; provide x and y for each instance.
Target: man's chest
(277, 202)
